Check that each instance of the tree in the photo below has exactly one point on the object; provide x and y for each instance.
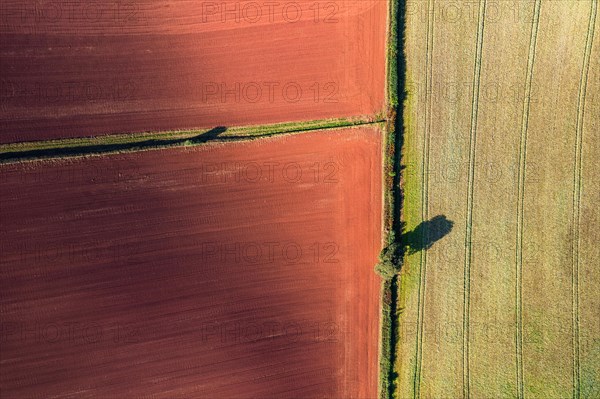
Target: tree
(390, 259)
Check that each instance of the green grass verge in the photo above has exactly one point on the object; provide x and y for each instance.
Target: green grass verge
(408, 280)
(121, 143)
(411, 187)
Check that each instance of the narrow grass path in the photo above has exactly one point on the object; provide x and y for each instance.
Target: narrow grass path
(122, 143)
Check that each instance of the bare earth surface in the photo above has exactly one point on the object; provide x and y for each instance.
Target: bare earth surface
(80, 69)
(242, 271)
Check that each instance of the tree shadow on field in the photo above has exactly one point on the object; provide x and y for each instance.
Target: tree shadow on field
(210, 135)
(113, 147)
(426, 234)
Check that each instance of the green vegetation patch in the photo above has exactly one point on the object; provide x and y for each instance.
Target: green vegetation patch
(156, 140)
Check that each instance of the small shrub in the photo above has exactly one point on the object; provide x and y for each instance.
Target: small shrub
(385, 269)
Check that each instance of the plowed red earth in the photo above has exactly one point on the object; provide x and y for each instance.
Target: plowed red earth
(72, 69)
(237, 271)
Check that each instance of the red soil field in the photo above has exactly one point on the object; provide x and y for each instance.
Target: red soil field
(225, 271)
(72, 69)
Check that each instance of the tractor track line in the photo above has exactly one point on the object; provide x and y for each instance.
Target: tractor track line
(424, 197)
(470, 195)
(577, 194)
(521, 200)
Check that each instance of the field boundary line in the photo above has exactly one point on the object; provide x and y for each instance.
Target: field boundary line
(470, 195)
(521, 199)
(424, 196)
(577, 177)
(126, 143)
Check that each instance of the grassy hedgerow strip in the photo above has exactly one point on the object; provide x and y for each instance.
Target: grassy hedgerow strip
(385, 354)
(392, 53)
(121, 143)
(390, 259)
